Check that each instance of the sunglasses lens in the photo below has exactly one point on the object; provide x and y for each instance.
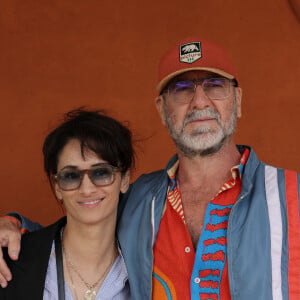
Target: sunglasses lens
(102, 175)
(69, 180)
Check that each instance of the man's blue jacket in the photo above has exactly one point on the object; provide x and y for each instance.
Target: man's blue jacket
(263, 238)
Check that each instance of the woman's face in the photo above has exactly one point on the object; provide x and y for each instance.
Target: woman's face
(88, 204)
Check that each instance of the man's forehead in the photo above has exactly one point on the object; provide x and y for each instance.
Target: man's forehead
(195, 74)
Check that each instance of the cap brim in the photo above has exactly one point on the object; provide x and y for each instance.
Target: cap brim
(166, 79)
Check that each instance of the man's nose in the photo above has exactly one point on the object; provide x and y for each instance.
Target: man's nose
(200, 99)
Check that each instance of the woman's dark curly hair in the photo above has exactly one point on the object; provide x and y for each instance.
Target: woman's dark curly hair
(95, 131)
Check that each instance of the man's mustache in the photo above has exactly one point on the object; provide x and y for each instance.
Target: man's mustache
(197, 114)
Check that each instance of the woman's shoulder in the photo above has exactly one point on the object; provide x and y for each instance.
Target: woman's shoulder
(31, 267)
(38, 243)
(44, 233)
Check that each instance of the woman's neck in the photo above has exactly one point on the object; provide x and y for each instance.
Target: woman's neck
(89, 252)
(90, 245)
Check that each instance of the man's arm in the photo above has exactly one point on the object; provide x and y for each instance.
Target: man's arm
(11, 227)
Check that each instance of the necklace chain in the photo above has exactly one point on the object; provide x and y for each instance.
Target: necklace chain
(90, 287)
(73, 285)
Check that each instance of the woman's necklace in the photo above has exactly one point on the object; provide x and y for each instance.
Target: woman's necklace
(90, 293)
(72, 283)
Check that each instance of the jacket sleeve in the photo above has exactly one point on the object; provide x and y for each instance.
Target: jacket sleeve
(25, 224)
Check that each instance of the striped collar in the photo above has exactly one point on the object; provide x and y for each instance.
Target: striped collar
(236, 171)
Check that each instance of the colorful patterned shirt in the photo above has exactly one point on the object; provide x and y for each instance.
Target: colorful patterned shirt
(179, 272)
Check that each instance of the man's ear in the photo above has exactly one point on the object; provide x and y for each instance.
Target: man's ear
(125, 180)
(159, 103)
(238, 97)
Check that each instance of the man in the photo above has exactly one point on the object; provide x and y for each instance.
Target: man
(217, 223)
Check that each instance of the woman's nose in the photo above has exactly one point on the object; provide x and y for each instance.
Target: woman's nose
(87, 186)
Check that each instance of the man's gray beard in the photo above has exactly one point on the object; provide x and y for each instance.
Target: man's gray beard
(202, 141)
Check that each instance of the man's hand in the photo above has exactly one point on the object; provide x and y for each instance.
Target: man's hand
(10, 237)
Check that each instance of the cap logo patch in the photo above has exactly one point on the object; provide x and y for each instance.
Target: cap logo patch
(189, 53)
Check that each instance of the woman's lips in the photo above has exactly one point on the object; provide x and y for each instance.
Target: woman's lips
(90, 203)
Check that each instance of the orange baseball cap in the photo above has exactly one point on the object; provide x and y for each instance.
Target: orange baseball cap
(194, 54)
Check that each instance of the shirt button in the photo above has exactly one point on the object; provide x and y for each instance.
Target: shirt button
(187, 249)
(197, 280)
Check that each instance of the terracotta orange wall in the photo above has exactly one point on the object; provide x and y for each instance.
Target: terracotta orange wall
(57, 55)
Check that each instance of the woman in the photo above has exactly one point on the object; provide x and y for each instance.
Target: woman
(87, 160)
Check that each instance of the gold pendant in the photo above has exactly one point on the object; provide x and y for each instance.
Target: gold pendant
(90, 295)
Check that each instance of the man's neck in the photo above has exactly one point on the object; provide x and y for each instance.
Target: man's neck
(200, 179)
(213, 169)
